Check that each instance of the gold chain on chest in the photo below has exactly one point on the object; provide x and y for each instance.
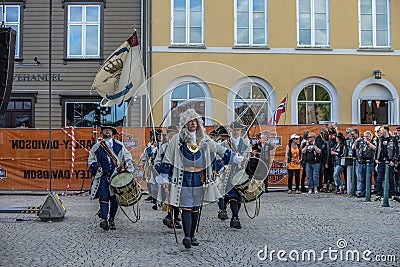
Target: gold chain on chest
(193, 147)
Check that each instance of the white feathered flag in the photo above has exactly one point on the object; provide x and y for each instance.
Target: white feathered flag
(122, 75)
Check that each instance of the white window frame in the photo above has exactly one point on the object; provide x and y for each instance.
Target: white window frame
(208, 108)
(84, 24)
(374, 30)
(187, 28)
(312, 26)
(329, 87)
(245, 81)
(112, 114)
(251, 25)
(394, 114)
(14, 25)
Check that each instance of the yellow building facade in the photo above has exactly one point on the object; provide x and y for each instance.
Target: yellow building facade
(334, 60)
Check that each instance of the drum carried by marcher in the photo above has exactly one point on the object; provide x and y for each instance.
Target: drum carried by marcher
(249, 189)
(249, 181)
(127, 190)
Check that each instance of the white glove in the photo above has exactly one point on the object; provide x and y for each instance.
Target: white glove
(237, 159)
(162, 178)
(221, 171)
(98, 175)
(130, 166)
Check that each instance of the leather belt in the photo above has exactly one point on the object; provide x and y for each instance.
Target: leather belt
(192, 169)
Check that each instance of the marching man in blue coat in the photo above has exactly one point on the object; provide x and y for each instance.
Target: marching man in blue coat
(105, 159)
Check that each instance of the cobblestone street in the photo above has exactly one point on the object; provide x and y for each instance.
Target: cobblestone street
(295, 224)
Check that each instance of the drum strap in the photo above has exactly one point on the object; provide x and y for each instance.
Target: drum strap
(111, 154)
(232, 146)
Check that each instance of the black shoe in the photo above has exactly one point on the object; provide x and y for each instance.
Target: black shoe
(235, 223)
(222, 215)
(187, 242)
(167, 222)
(360, 195)
(104, 225)
(111, 224)
(303, 190)
(154, 207)
(178, 225)
(149, 198)
(194, 242)
(377, 198)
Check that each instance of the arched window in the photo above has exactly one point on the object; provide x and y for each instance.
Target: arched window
(314, 104)
(185, 96)
(251, 101)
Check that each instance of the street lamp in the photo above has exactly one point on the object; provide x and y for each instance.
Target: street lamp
(377, 74)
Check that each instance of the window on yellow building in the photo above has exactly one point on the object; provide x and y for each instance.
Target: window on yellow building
(313, 23)
(251, 105)
(185, 96)
(251, 22)
(313, 105)
(374, 23)
(187, 22)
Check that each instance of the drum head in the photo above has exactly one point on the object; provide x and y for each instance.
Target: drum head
(121, 179)
(240, 178)
(259, 168)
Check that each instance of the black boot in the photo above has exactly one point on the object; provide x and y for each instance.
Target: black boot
(187, 242)
(222, 215)
(194, 242)
(235, 223)
(167, 221)
(111, 224)
(104, 225)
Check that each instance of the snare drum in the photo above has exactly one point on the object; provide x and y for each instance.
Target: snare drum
(249, 189)
(257, 168)
(240, 179)
(127, 190)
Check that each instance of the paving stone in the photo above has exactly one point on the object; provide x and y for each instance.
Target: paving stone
(286, 222)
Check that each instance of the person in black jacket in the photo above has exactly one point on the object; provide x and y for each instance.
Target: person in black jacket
(313, 155)
(387, 151)
(339, 151)
(364, 151)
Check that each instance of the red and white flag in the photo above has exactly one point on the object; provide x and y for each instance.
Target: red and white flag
(281, 109)
(122, 75)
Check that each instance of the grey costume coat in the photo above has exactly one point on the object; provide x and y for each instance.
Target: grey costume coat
(173, 157)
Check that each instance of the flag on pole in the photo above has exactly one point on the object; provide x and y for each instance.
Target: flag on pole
(281, 109)
(122, 75)
(270, 122)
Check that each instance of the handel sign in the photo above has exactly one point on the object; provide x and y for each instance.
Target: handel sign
(37, 77)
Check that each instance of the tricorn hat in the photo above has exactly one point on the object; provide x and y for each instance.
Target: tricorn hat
(213, 132)
(158, 132)
(237, 125)
(222, 131)
(114, 130)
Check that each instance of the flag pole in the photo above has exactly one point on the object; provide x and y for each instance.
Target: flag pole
(287, 96)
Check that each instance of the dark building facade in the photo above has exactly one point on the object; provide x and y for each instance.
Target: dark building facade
(83, 34)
